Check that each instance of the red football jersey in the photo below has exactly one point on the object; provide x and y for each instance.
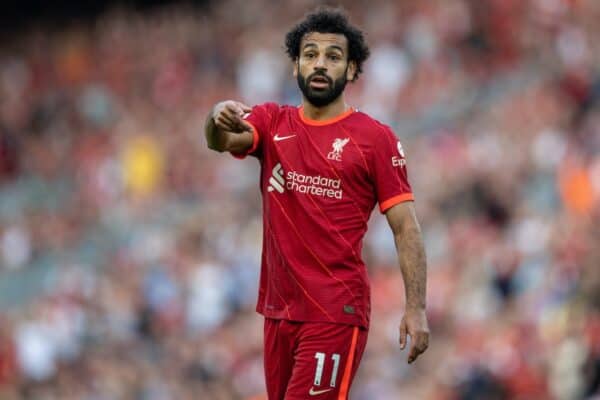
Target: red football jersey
(320, 181)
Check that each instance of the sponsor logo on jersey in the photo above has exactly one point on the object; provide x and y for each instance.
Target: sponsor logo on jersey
(315, 185)
(338, 146)
(400, 149)
(399, 161)
(276, 181)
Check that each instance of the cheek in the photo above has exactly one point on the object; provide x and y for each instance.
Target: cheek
(303, 69)
(340, 72)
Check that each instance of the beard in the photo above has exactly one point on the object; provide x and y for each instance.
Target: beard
(321, 97)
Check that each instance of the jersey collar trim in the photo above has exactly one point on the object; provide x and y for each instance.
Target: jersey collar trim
(329, 121)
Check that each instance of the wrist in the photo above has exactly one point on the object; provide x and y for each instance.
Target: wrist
(415, 308)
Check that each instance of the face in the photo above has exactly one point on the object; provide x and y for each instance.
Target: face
(322, 69)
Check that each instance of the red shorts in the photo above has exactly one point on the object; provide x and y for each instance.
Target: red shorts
(306, 360)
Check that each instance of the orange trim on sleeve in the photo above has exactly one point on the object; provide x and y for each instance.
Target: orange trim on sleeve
(348, 370)
(255, 140)
(329, 121)
(384, 206)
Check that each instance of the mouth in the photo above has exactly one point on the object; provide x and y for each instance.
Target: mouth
(319, 82)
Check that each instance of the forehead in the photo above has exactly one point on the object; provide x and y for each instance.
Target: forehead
(324, 40)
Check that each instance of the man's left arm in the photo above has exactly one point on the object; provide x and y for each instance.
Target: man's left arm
(411, 253)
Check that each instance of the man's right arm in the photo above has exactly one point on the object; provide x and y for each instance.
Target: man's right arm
(226, 129)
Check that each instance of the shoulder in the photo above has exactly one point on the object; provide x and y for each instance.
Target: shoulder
(372, 128)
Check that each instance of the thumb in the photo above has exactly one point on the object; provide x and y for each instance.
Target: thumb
(246, 125)
(403, 332)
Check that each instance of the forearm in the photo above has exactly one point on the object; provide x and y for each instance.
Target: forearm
(413, 265)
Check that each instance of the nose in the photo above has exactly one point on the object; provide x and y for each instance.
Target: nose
(320, 62)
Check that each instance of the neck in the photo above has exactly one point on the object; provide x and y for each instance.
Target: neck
(331, 110)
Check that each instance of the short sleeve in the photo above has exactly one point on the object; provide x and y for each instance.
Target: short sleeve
(388, 166)
(260, 118)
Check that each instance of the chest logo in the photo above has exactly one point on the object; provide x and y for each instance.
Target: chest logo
(337, 148)
(277, 138)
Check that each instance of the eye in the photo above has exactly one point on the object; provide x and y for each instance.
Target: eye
(334, 57)
(310, 56)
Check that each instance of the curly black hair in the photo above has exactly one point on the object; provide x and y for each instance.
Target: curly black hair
(329, 20)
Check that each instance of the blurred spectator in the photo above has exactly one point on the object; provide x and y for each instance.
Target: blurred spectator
(129, 253)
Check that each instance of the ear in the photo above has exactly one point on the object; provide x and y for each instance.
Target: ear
(295, 68)
(351, 71)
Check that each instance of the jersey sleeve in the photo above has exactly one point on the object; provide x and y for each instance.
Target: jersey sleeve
(388, 168)
(261, 120)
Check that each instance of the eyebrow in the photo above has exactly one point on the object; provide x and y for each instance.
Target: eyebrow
(333, 46)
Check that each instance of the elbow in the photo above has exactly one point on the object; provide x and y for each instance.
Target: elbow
(220, 145)
(213, 146)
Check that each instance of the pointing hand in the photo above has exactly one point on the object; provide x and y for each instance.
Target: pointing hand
(228, 116)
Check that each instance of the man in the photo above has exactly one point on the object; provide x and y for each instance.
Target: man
(324, 166)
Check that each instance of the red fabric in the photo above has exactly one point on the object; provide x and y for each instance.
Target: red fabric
(292, 360)
(320, 182)
(7, 362)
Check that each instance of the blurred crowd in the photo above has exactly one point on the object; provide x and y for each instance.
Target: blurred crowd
(129, 252)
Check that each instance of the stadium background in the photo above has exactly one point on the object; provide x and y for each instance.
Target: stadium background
(129, 252)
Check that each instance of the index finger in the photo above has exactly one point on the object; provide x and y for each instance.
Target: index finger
(238, 108)
(234, 108)
(412, 354)
(245, 108)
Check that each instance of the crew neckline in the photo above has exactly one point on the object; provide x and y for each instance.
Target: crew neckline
(328, 121)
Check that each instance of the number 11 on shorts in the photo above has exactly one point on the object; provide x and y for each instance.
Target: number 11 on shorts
(321, 362)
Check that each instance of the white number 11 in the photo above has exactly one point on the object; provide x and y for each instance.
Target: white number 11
(321, 362)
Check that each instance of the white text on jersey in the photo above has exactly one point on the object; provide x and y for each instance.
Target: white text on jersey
(315, 185)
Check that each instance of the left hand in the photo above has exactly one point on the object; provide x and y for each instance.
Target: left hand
(414, 323)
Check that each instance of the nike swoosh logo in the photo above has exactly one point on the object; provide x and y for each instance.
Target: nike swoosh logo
(314, 392)
(278, 138)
